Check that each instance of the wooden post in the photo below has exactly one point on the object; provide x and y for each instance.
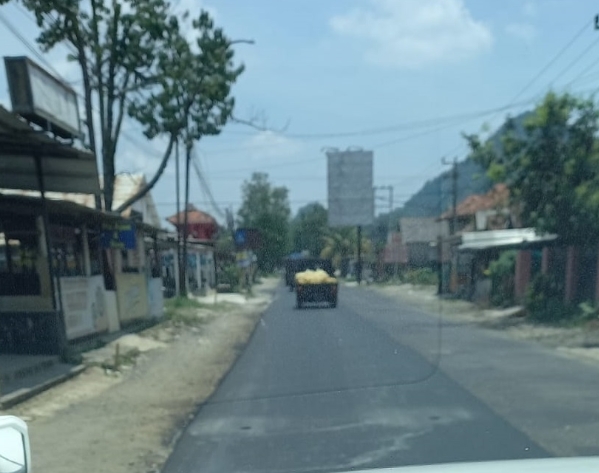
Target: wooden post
(55, 289)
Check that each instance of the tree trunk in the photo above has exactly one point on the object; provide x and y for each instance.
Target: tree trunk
(130, 201)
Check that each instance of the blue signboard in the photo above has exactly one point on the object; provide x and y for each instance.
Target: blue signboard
(118, 236)
(240, 237)
(247, 239)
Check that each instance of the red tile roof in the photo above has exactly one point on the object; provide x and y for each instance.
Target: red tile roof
(498, 196)
(194, 217)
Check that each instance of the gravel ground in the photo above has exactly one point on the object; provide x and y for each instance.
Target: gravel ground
(579, 341)
(126, 419)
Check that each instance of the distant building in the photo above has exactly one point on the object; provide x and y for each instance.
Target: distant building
(480, 212)
(127, 185)
(395, 251)
(201, 225)
(421, 235)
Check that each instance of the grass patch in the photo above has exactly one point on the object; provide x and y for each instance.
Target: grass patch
(182, 303)
(185, 311)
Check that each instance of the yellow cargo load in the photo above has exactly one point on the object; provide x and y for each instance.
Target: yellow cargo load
(318, 276)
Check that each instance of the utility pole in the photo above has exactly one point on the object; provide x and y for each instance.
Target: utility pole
(389, 189)
(359, 263)
(454, 194)
(183, 286)
(453, 222)
(390, 201)
(180, 274)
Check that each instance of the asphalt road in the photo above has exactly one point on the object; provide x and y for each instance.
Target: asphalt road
(323, 389)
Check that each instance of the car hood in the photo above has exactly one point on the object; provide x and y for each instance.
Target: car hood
(545, 465)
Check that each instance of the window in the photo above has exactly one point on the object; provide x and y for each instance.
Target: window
(18, 258)
(67, 251)
(153, 263)
(95, 252)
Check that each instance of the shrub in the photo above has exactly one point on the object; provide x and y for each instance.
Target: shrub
(230, 274)
(421, 277)
(544, 300)
(502, 272)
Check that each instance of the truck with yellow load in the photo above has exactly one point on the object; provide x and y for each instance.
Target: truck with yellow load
(296, 264)
(312, 286)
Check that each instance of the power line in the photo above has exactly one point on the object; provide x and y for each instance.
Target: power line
(402, 178)
(447, 121)
(239, 201)
(30, 47)
(460, 119)
(574, 61)
(552, 61)
(204, 184)
(582, 74)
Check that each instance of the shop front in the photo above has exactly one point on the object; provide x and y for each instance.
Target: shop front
(49, 296)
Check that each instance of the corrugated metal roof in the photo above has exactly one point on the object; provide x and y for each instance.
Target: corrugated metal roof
(58, 206)
(422, 229)
(502, 238)
(125, 186)
(65, 168)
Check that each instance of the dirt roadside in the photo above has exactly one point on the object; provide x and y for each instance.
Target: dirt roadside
(125, 420)
(577, 341)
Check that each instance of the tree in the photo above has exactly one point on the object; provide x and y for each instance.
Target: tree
(120, 47)
(266, 208)
(114, 44)
(551, 166)
(192, 96)
(191, 99)
(309, 228)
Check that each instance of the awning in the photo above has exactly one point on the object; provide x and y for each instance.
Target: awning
(503, 239)
(64, 168)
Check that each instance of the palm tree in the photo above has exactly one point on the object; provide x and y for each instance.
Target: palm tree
(341, 244)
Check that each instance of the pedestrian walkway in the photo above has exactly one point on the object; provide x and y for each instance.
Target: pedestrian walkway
(23, 376)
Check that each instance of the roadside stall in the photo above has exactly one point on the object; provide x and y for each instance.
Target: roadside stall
(33, 280)
(32, 310)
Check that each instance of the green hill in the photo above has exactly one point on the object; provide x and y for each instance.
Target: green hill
(435, 195)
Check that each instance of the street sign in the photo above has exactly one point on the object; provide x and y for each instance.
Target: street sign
(118, 235)
(350, 188)
(247, 239)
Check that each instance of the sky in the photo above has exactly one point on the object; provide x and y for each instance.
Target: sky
(403, 78)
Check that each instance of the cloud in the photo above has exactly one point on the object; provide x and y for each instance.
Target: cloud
(270, 147)
(415, 33)
(523, 31)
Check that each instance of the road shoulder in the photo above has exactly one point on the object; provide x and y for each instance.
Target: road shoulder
(124, 416)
